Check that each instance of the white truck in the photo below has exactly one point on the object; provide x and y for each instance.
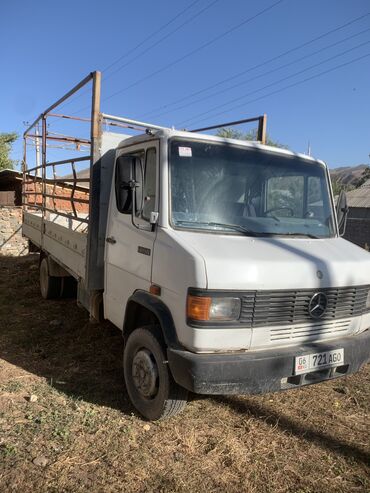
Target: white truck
(220, 260)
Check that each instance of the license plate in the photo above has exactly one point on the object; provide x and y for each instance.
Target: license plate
(316, 361)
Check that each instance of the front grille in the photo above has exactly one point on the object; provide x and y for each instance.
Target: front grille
(314, 330)
(282, 307)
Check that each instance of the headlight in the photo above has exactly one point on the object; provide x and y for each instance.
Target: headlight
(368, 301)
(212, 308)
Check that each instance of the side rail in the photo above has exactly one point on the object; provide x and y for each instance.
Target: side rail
(59, 153)
(60, 187)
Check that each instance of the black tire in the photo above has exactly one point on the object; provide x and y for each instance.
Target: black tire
(50, 286)
(68, 287)
(154, 397)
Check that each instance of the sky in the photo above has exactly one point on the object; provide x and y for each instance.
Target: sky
(306, 64)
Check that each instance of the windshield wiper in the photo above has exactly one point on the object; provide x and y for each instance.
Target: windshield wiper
(241, 229)
(307, 235)
(235, 227)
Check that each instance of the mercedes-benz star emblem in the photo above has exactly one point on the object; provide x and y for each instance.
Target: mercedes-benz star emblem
(318, 304)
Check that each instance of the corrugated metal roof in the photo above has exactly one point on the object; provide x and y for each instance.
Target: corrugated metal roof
(10, 173)
(84, 173)
(360, 197)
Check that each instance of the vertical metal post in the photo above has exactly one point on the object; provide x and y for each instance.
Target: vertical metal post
(95, 133)
(24, 174)
(37, 147)
(95, 118)
(94, 191)
(54, 187)
(309, 149)
(35, 184)
(73, 188)
(43, 154)
(261, 133)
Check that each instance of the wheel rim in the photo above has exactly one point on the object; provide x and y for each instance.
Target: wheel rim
(145, 374)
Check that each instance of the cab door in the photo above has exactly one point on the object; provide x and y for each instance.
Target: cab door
(130, 237)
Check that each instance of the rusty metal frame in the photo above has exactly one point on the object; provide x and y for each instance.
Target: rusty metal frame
(71, 183)
(78, 86)
(79, 219)
(261, 130)
(92, 249)
(75, 140)
(129, 123)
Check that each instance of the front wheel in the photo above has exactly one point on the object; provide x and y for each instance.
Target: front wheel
(149, 382)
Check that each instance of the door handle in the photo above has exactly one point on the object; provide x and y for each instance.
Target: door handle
(110, 239)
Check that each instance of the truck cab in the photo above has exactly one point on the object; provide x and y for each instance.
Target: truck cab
(244, 254)
(222, 262)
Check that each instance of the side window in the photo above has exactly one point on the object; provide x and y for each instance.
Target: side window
(128, 168)
(150, 183)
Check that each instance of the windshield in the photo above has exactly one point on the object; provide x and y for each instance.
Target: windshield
(229, 189)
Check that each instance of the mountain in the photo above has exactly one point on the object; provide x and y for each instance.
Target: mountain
(347, 175)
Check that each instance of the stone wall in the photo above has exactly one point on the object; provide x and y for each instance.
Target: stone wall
(11, 241)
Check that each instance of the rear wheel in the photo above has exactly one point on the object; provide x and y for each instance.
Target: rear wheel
(149, 382)
(50, 286)
(68, 287)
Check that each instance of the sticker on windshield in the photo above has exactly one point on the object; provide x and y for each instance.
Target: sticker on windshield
(185, 151)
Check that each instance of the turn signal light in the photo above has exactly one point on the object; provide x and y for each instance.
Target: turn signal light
(218, 309)
(198, 307)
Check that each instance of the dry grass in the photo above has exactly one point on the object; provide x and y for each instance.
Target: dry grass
(84, 432)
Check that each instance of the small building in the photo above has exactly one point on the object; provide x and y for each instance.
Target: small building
(11, 241)
(58, 198)
(358, 221)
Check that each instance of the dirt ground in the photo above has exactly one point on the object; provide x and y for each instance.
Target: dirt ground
(66, 424)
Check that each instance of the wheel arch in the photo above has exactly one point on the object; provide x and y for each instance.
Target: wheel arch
(144, 308)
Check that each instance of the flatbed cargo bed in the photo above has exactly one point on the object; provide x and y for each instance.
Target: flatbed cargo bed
(64, 242)
(65, 201)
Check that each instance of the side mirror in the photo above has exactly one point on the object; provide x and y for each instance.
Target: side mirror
(137, 184)
(342, 212)
(122, 184)
(129, 185)
(137, 190)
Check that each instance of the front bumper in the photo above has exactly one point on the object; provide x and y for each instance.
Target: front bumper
(265, 371)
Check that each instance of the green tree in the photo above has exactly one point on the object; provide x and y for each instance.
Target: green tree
(230, 133)
(337, 187)
(364, 176)
(6, 142)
